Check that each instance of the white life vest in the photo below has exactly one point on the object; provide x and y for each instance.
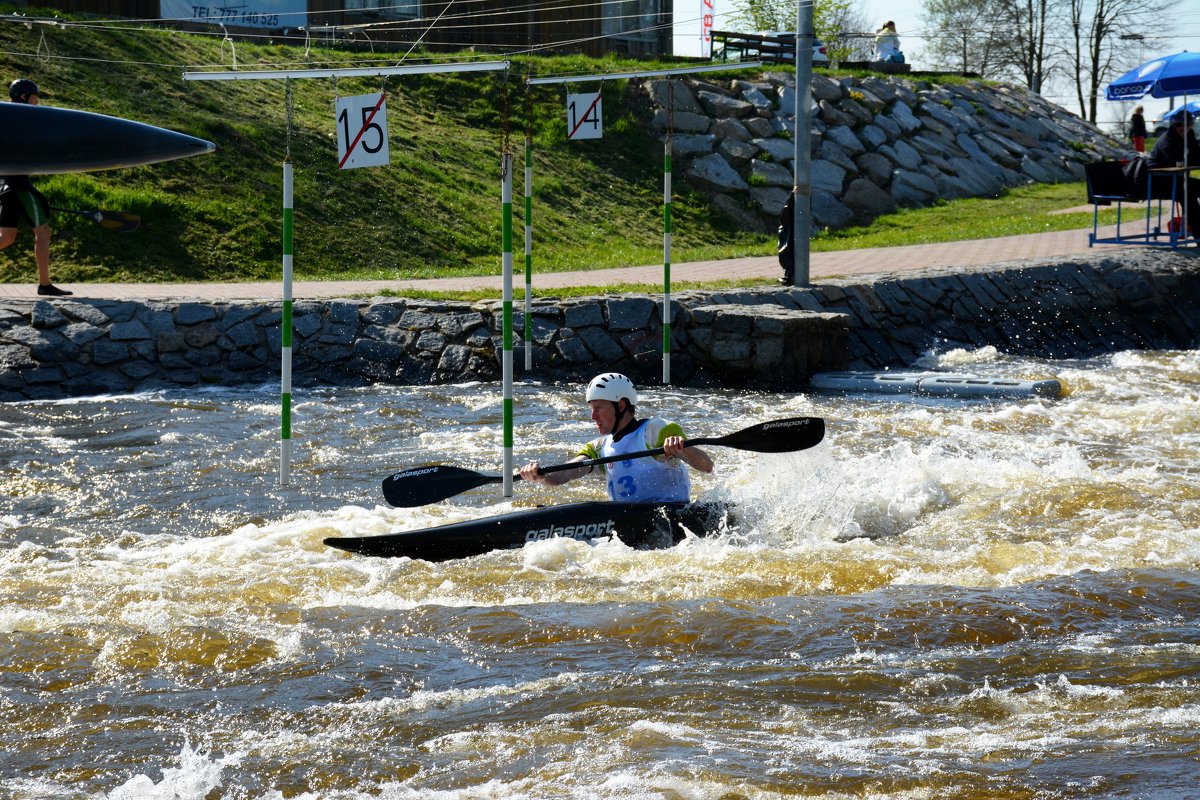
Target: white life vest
(647, 479)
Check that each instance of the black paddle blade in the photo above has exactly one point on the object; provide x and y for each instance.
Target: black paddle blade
(420, 486)
(119, 221)
(777, 436)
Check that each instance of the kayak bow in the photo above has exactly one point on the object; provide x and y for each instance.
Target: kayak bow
(42, 140)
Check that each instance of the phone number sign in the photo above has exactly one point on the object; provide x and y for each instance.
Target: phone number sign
(259, 14)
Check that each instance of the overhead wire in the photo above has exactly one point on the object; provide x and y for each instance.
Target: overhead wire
(227, 37)
(486, 19)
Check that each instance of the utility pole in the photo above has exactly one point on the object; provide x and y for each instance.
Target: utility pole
(802, 156)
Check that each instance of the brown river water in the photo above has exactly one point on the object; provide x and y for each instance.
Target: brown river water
(944, 599)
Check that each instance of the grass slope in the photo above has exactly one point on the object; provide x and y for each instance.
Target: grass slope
(434, 212)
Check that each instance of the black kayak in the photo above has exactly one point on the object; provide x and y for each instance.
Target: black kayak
(42, 140)
(646, 526)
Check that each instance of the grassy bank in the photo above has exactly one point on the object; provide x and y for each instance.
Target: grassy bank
(434, 212)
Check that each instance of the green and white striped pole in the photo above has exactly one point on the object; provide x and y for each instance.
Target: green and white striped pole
(506, 164)
(285, 381)
(662, 73)
(528, 252)
(666, 302)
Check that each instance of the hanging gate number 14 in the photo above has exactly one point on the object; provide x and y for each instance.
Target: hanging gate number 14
(362, 131)
(585, 119)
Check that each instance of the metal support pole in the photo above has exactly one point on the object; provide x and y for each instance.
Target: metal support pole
(802, 158)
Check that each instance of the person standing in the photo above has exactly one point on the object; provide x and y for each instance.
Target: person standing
(612, 398)
(1137, 129)
(20, 200)
(787, 253)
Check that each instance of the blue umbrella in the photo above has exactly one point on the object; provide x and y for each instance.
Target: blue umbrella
(1193, 108)
(1169, 76)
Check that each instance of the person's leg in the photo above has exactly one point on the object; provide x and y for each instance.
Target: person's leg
(7, 237)
(41, 252)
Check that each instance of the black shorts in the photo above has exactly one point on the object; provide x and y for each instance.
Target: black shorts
(23, 204)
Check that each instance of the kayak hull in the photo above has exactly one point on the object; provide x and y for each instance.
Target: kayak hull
(43, 140)
(645, 526)
(935, 384)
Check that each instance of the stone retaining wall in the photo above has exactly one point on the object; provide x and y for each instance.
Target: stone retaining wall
(1134, 298)
(877, 143)
(765, 339)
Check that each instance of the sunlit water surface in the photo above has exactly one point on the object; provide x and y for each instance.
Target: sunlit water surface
(942, 600)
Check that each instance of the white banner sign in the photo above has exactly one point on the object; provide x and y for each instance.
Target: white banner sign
(708, 13)
(250, 13)
(585, 119)
(362, 132)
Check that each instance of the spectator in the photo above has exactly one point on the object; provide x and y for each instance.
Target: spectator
(1175, 148)
(887, 44)
(1137, 130)
(787, 253)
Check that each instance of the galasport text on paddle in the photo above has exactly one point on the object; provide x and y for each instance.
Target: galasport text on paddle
(420, 486)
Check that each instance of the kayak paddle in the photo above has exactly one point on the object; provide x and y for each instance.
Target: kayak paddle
(420, 486)
(119, 221)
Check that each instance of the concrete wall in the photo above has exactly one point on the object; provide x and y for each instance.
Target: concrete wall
(768, 339)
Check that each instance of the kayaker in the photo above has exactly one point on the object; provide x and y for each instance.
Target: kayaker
(612, 399)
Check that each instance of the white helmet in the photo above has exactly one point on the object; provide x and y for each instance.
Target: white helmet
(611, 386)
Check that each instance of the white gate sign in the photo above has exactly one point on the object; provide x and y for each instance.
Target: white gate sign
(585, 119)
(362, 131)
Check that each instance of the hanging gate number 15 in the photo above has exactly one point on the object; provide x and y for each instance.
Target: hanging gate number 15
(362, 131)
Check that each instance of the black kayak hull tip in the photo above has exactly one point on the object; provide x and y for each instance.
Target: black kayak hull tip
(44, 140)
(643, 526)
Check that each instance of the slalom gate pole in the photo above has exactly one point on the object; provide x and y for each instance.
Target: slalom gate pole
(506, 165)
(285, 437)
(528, 329)
(666, 300)
(285, 380)
(662, 73)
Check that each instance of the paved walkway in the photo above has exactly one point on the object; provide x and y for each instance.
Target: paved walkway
(822, 265)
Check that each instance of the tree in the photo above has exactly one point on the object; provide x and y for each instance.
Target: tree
(1025, 47)
(962, 40)
(1095, 52)
(841, 25)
